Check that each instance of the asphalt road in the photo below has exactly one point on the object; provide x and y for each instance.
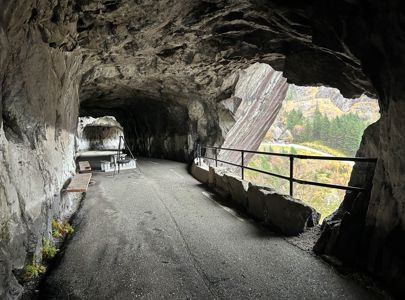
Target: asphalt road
(157, 233)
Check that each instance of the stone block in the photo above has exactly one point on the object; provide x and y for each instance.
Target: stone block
(285, 214)
(200, 173)
(211, 177)
(221, 183)
(238, 189)
(256, 199)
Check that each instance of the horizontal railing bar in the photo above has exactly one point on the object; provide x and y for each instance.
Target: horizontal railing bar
(268, 173)
(338, 158)
(299, 181)
(225, 162)
(335, 186)
(252, 169)
(300, 156)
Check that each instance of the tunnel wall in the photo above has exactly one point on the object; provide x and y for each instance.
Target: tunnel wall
(39, 107)
(356, 46)
(368, 230)
(156, 130)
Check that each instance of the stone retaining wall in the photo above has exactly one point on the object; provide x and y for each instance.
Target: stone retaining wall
(280, 212)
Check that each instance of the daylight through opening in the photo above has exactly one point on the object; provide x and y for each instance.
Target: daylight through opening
(314, 121)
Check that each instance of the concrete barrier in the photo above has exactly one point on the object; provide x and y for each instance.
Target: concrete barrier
(281, 212)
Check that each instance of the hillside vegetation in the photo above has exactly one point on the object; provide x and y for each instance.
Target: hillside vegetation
(324, 200)
(341, 132)
(321, 119)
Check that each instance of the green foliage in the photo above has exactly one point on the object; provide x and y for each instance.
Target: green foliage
(60, 229)
(342, 133)
(48, 250)
(68, 228)
(33, 270)
(324, 200)
(294, 118)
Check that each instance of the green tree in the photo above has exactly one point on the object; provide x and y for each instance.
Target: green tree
(317, 124)
(325, 129)
(294, 118)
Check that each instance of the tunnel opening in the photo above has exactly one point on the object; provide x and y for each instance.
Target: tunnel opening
(270, 115)
(98, 134)
(314, 121)
(100, 145)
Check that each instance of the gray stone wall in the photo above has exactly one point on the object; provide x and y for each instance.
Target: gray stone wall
(39, 108)
(280, 212)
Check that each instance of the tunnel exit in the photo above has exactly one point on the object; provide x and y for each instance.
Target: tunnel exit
(101, 143)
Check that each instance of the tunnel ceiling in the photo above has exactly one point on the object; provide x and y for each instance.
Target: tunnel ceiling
(181, 50)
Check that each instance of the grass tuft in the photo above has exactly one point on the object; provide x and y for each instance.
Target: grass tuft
(61, 229)
(48, 250)
(33, 270)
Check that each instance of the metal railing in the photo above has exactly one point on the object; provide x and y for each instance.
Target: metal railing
(118, 160)
(291, 157)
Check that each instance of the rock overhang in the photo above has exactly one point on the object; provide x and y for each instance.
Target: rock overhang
(186, 49)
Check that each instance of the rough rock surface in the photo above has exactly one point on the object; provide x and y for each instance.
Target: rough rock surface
(98, 134)
(39, 105)
(165, 63)
(260, 91)
(162, 67)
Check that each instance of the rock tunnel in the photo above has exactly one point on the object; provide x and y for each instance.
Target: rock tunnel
(167, 70)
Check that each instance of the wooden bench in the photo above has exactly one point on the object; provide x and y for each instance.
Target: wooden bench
(84, 167)
(79, 183)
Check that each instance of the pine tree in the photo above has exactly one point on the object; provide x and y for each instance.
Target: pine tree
(317, 124)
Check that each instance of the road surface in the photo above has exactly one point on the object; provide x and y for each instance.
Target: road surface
(157, 233)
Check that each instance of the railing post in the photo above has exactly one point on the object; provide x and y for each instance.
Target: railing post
(243, 164)
(291, 176)
(199, 154)
(216, 157)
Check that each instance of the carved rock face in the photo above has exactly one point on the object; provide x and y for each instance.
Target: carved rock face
(163, 68)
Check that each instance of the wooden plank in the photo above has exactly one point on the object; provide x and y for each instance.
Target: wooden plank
(84, 167)
(79, 183)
